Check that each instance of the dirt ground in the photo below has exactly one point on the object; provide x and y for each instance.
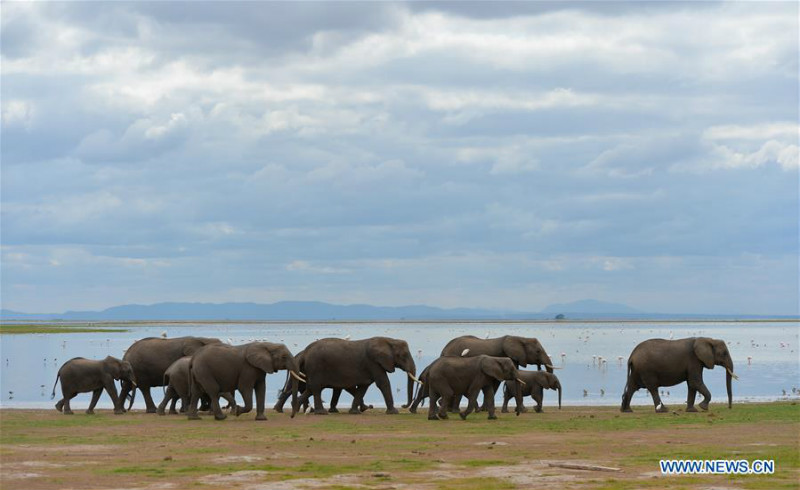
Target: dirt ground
(42, 449)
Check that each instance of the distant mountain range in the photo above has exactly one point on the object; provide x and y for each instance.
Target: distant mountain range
(318, 311)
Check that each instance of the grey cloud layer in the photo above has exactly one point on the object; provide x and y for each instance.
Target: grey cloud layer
(393, 153)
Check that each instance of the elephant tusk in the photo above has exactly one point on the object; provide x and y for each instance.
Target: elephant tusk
(731, 373)
(294, 375)
(464, 352)
(520, 381)
(552, 367)
(414, 378)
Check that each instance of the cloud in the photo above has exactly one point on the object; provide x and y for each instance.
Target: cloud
(441, 153)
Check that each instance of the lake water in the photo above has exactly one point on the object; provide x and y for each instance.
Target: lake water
(30, 362)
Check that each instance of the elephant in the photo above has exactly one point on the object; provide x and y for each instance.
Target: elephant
(659, 362)
(521, 350)
(81, 375)
(449, 377)
(337, 363)
(535, 383)
(358, 405)
(176, 381)
(223, 368)
(150, 358)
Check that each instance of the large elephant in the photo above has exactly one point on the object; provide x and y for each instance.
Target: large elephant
(658, 362)
(450, 377)
(223, 368)
(150, 359)
(358, 405)
(521, 350)
(338, 363)
(178, 387)
(535, 384)
(81, 375)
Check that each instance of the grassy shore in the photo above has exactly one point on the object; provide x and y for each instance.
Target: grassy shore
(46, 450)
(29, 328)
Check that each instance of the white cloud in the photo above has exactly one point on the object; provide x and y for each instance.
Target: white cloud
(18, 113)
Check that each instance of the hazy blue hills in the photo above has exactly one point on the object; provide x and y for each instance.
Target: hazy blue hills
(319, 311)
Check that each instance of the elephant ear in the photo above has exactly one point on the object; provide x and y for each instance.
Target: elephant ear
(381, 352)
(258, 356)
(114, 367)
(491, 367)
(704, 351)
(515, 349)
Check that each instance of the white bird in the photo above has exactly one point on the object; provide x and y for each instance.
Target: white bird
(347, 337)
(230, 340)
(487, 335)
(164, 334)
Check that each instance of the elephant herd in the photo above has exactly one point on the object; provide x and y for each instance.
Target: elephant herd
(198, 371)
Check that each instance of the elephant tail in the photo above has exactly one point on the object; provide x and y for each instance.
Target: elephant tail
(628, 379)
(53, 394)
(165, 380)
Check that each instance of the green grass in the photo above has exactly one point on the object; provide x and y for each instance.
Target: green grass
(29, 328)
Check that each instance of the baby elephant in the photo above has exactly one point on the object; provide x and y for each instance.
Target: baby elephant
(450, 377)
(81, 375)
(176, 381)
(536, 382)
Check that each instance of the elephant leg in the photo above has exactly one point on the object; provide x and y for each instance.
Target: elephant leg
(447, 401)
(660, 407)
(690, 398)
(627, 394)
(485, 405)
(337, 392)
(488, 398)
(303, 400)
(60, 404)
(472, 404)
(361, 392)
(95, 396)
(419, 398)
(148, 399)
(119, 409)
(67, 397)
(247, 398)
(383, 384)
(195, 391)
(229, 398)
(506, 398)
(316, 392)
(174, 404)
(432, 409)
(455, 404)
(261, 398)
(358, 400)
(706, 396)
(169, 396)
(537, 397)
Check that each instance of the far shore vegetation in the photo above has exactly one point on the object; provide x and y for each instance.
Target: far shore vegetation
(33, 328)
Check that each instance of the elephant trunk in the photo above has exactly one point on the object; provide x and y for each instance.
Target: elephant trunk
(293, 367)
(548, 364)
(410, 391)
(558, 387)
(728, 377)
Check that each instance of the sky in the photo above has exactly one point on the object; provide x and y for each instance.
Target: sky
(494, 155)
